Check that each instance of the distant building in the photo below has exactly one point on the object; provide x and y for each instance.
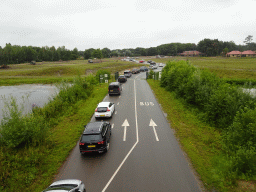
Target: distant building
(234, 54)
(190, 53)
(248, 53)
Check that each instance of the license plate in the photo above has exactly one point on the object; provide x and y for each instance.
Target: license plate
(89, 146)
(111, 90)
(102, 115)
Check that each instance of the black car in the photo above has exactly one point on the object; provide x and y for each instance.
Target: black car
(149, 61)
(143, 69)
(153, 63)
(114, 88)
(96, 137)
(122, 78)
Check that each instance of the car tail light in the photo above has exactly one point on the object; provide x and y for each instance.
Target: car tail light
(81, 143)
(96, 109)
(118, 89)
(108, 109)
(101, 143)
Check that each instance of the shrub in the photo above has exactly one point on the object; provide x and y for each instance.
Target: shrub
(18, 129)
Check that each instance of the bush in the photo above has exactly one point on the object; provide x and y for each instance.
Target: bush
(18, 129)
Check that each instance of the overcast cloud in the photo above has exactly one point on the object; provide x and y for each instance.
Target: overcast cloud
(119, 24)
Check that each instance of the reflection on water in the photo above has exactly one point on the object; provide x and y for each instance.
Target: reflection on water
(26, 95)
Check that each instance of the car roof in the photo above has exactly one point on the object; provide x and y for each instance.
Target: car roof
(103, 104)
(127, 71)
(93, 128)
(114, 83)
(67, 181)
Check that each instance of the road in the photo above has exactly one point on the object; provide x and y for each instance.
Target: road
(144, 154)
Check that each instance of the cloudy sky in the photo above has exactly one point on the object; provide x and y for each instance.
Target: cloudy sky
(119, 24)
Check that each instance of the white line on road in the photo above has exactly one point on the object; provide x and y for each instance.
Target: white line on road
(118, 103)
(115, 112)
(124, 138)
(119, 96)
(112, 126)
(153, 124)
(155, 134)
(137, 136)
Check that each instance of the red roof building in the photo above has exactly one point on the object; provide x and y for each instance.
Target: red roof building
(248, 53)
(234, 54)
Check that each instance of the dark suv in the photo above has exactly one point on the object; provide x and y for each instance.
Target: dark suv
(114, 88)
(96, 137)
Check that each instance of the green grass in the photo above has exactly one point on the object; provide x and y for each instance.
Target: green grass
(51, 72)
(33, 168)
(201, 142)
(224, 67)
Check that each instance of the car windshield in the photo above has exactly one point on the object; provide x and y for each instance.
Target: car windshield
(126, 72)
(90, 138)
(102, 109)
(64, 187)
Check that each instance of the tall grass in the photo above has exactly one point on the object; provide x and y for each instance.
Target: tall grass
(223, 106)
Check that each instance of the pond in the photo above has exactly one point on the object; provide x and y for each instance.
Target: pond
(26, 95)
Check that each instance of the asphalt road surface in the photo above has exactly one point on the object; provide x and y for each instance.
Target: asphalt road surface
(144, 154)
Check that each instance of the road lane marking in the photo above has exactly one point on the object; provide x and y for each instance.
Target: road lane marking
(118, 103)
(115, 112)
(152, 124)
(125, 124)
(128, 154)
(119, 96)
(112, 126)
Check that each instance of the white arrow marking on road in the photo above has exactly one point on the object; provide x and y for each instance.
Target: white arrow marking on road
(152, 124)
(125, 124)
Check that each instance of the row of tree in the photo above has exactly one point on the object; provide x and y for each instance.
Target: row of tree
(208, 47)
(14, 54)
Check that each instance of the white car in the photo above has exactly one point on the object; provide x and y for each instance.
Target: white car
(161, 65)
(66, 185)
(104, 109)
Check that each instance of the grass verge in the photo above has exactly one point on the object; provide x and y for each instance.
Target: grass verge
(201, 142)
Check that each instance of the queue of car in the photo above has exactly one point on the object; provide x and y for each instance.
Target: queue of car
(96, 135)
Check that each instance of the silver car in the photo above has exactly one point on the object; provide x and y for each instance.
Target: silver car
(69, 185)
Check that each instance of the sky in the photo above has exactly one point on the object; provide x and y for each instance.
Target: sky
(120, 24)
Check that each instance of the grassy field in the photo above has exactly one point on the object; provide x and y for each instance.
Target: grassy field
(50, 72)
(224, 67)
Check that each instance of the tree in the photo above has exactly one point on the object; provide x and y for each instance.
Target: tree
(88, 53)
(97, 53)
(106, 52)
(248, 39)
(225, 51)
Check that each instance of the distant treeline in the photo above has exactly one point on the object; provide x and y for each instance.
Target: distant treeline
(13, 54)
(207, 46)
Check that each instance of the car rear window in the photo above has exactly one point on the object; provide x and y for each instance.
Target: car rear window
(113, 86)
(126, 72)
(90, 138)
(102, 109)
